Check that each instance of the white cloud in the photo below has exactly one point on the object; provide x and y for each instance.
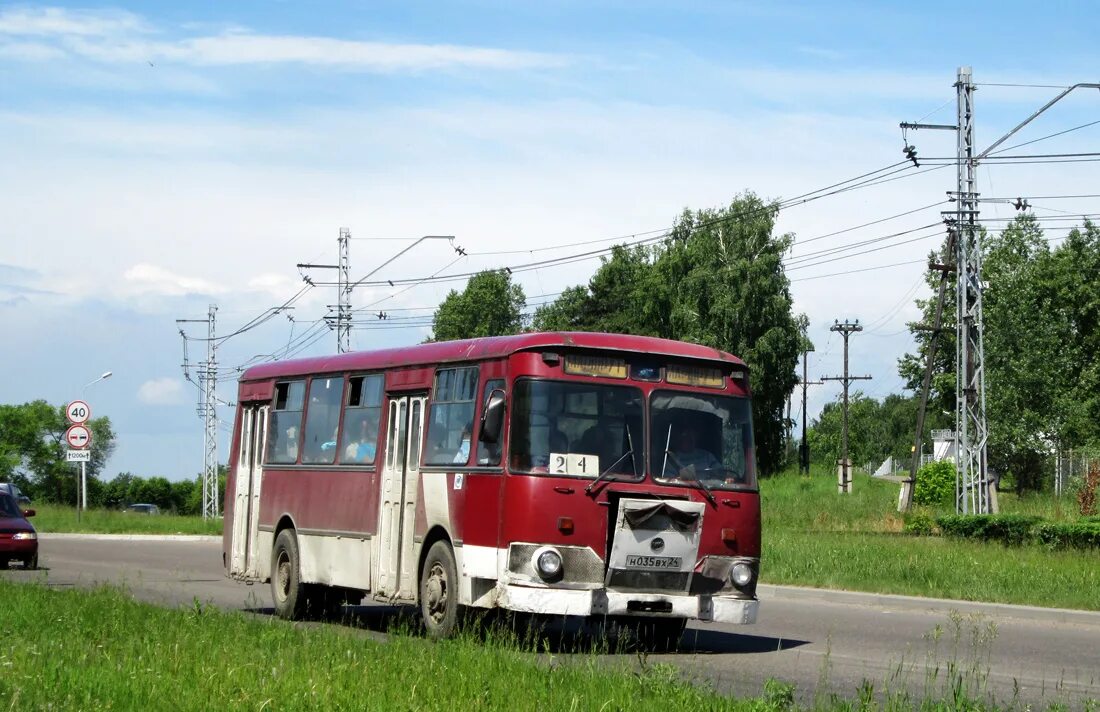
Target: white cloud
(152, 279)
(122, 37)
(54, 21)
(161, 391)
(30, 51)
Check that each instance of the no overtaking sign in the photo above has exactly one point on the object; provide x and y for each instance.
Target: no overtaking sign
(78, 437)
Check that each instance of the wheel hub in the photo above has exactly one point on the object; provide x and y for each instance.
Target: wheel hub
(436, 589)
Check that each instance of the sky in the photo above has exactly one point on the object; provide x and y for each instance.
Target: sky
(162, 157)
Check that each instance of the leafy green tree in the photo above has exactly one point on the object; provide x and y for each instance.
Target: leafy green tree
(490, 305)
(32, 449)
(717, 280)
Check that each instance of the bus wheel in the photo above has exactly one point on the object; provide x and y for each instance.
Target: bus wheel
(290, 594)
(439, 591)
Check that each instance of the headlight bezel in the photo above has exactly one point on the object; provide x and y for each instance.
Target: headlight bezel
(548, 571)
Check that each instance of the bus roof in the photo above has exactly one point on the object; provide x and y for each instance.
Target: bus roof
(491, 347)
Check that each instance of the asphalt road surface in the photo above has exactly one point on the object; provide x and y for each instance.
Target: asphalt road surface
(823, 642)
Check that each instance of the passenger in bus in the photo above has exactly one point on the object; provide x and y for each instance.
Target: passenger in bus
(290, 443)
(362, 449)
(463, 454)
(686, 458)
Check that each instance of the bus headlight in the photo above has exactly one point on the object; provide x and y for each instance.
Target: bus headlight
(548, 564)
(741, 575)
(23, 536)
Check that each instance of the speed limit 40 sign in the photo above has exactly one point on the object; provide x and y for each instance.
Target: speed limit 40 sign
(78, 412)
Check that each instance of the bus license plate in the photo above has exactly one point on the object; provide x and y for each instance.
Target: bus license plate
(662, 563)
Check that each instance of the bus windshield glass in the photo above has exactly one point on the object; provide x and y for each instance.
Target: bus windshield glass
(702, 438)
(577, 428)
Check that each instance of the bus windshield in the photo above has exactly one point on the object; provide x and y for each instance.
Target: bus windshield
(702, 438)
(577, 428)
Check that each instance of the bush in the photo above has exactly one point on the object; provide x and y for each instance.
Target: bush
(935, 483)
(1009, 529)
(919, 524)
(1076, 535)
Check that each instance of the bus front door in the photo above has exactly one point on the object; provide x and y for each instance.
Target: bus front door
(397, 516)
(244, 562)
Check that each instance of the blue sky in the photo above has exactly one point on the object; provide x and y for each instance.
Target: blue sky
(159, 157)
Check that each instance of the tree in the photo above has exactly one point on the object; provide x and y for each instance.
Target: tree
(717, 280)
(32, 449)
(490, 305)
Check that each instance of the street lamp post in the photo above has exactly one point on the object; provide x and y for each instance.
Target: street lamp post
(82, 493)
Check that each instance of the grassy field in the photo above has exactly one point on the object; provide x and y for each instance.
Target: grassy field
(99, 649)
(816, 537)
(61, 518)
(83, 650)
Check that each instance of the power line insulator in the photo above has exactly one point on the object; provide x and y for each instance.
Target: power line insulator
(910, 152)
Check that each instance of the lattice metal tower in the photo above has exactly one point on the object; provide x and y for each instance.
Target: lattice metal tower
(972, 483)
(343, 301)
(208, 375)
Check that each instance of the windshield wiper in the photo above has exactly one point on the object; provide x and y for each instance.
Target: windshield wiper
(694, 478)
(599, 477)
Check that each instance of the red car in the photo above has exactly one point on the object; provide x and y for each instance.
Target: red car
(18, 539)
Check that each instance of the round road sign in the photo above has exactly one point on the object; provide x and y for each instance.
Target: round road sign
(78, 437)
(78, 412)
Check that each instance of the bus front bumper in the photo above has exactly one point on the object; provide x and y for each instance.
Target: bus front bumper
(718, 609)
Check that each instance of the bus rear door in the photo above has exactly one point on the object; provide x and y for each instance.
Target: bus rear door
(397, 516)
(244, 562)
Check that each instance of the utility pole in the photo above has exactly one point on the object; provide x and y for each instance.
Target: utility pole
(973, 493)
(341, 323)
(804, 446)
(972, 432)
(207, 373)
(936, 329)
(845, 474)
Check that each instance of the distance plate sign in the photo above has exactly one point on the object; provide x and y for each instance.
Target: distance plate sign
(78, 437)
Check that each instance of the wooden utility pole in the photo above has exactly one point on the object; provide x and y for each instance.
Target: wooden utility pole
(845, 478)
(804, 447)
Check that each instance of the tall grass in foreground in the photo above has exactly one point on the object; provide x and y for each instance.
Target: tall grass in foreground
(85, 650)
(61, 518)
(99, 650)
(813, 536)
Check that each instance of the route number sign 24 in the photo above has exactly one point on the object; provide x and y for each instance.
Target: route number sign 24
(574, 464)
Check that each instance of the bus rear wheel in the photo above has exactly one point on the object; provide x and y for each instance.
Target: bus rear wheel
(291, 596)
(439, 591)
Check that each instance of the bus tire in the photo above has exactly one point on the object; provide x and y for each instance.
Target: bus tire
(291, 596)
(439, 592)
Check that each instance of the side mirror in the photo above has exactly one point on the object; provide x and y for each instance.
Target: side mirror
(28, 512)
(492, 418)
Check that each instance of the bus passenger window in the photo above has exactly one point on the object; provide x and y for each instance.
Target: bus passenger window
(489, 453)
(322, 420)
(451, 418)
(286, 423)
(362, 413)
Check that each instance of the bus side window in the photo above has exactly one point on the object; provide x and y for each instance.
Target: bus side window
(286, 423)
(362, 413)
(489, 453)
(451, 418)
(322, 420)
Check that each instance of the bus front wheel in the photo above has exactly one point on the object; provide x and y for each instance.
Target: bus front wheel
(439, 591)
(290, 594)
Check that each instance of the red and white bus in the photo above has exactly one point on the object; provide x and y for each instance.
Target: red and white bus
(577, 474)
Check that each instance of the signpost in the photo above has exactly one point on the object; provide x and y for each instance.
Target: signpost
(79, 438)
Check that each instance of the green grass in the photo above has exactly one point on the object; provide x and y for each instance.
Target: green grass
(82, 650)
(59, 518)
(100, 649)
(814, 536)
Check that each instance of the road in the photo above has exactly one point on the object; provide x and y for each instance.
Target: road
(820, 641)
